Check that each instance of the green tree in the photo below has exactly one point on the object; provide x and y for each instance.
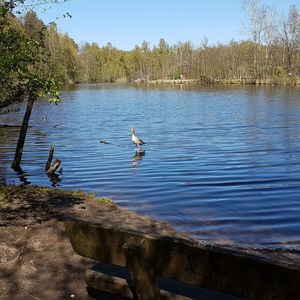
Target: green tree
(34, 27)
(22, 67)
(62, 52)
(15, 55)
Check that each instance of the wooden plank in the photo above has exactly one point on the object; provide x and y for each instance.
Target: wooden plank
(209, 267)
(107, 283)
(119, 286)
(141, 272)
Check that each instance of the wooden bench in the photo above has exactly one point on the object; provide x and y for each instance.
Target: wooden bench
(147, 258)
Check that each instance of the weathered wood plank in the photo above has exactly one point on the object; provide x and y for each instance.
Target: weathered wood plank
(141, 272)
(210, 267)
(107, 283)
(119, 286)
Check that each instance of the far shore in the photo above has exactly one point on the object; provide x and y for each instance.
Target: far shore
(293, 81)
(204, 81)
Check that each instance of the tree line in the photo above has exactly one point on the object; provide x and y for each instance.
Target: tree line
(271, 51)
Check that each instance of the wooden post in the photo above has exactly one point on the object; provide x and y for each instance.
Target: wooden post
(54, 167)
(48, 163)
(141, 272)
(50, 169)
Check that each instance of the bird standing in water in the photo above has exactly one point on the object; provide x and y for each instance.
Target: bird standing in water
(137, 141)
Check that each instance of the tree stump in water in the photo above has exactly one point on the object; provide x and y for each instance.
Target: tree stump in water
(54, 167)
(50, 169)
(48, 163)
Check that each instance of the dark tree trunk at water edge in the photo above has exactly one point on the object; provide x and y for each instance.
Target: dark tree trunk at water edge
(23, 131)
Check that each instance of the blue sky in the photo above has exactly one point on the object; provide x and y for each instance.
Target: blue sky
(126, 23)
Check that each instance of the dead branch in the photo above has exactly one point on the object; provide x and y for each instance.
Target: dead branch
(54, 167)
(48, 163)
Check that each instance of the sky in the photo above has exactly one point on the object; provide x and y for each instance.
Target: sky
(126, 23)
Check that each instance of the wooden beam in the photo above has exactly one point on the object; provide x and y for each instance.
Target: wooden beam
(141, 272)
(211, 267)
(108, 283)
(108, 279)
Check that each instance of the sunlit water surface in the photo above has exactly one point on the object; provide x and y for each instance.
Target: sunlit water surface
(222, 164)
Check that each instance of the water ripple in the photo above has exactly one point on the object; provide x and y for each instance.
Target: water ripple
(221, 163)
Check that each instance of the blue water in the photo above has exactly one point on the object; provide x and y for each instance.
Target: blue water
(221, 163)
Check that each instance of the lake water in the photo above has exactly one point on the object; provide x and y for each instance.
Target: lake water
(220, 163)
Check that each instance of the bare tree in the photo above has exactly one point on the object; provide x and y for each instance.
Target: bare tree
(256, 27)
(289, 35)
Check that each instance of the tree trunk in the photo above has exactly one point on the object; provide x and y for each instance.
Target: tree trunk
(23, 131)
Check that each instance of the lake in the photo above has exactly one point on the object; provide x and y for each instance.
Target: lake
(221, 163)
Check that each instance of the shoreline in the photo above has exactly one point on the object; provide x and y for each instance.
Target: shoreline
(32, 204)
(291, 82)
(36, 255)
(283, 82)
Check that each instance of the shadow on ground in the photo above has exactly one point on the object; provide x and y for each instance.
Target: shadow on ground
(36, 258)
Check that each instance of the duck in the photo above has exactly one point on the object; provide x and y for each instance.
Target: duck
(137, 141)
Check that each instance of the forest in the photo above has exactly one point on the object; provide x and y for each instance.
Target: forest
(38, 55)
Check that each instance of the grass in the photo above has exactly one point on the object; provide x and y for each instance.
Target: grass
(14, 193)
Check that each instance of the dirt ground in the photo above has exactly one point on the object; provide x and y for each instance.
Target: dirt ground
(38, 262)
(36, 258)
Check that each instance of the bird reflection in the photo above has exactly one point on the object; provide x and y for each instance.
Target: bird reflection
(137, 158)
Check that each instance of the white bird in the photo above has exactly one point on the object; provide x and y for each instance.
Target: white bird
(137, 141)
